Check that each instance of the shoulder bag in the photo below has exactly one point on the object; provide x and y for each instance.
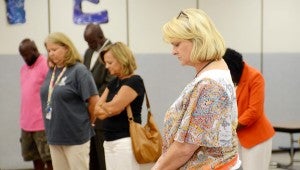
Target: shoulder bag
(146, 140)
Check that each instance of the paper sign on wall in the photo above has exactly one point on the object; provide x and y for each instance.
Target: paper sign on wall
(16, 13)
(83, 18)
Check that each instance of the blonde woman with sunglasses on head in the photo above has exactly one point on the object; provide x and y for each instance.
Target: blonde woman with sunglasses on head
(200, 126)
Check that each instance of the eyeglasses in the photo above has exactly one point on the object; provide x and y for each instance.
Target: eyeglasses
(182, 14)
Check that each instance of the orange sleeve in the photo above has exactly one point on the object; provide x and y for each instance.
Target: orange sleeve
(251, 103)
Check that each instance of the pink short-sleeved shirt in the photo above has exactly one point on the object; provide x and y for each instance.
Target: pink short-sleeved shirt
(31, 79)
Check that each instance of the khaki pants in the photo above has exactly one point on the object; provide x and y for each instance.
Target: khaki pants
(70, 157)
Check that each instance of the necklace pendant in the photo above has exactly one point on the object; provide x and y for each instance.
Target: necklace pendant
(48, 112)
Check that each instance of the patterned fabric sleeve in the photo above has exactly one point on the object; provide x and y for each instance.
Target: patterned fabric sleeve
(206, 121)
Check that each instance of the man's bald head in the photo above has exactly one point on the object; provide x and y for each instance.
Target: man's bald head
(28, 51)
(94, 36)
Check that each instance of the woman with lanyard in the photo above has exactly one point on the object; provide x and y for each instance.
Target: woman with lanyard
(68, 96)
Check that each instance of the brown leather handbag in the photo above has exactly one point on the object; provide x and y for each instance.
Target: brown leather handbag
(146, 140)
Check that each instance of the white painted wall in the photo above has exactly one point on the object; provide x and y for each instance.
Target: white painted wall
(36, 26)
(281, 26)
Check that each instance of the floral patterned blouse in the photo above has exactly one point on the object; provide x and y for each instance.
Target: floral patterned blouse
(205, 114)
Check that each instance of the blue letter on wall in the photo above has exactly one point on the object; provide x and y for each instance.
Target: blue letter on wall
(84, 18)
(15, 11)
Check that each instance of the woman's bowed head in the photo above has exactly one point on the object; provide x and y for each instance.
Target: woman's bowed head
(200, 126)
(120, 62)
(194, 37)
(127, 88)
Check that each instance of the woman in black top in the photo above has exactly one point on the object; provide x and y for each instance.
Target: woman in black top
(127, 88)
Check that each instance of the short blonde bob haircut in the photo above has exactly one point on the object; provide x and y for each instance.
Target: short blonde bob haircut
(196, 26)
(123, 55)
(72, 56)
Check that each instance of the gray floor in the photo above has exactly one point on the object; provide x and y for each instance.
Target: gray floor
(282, 158)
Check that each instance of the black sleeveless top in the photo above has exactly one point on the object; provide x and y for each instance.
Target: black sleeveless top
(117, 127)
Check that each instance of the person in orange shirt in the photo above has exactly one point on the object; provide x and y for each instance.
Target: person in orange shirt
(254, 130)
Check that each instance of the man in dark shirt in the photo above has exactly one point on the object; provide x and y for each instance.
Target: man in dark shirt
(96, 41)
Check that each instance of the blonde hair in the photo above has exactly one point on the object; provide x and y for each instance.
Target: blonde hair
(196, 26)
(72, 56)
(123, 55)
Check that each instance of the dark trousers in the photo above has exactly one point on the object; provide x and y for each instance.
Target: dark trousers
(97, 159)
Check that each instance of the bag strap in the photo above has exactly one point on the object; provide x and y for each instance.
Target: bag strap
(129, 110)
(147, 101)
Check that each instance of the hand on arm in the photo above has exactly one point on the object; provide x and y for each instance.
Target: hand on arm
(114, 107)
(98, 110)
(101, 112)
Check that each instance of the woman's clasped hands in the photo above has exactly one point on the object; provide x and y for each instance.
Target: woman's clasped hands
(100, 111)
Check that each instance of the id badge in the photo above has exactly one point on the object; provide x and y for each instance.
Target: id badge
(49, 113)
